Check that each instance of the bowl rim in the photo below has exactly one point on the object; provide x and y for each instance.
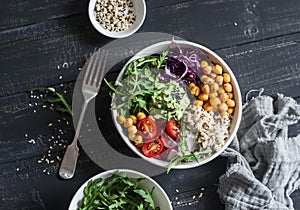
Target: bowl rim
(237, 113)
(130, 173)
(120, 34)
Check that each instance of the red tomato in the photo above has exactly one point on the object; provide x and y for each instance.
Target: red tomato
(173, 129)
(153, 147)
(147, 128)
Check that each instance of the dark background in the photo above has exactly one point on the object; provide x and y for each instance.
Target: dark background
(45, 43)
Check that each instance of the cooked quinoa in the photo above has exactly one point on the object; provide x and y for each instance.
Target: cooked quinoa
(208, 130)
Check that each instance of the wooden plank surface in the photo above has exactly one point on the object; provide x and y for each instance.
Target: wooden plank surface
(45, 43)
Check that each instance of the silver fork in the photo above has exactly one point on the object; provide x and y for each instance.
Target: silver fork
(90, 87)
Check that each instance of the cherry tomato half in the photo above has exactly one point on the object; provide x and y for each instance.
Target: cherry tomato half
(173, 129)
(147, 128)
(153, 147)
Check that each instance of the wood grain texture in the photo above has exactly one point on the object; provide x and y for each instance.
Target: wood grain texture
(45, 43)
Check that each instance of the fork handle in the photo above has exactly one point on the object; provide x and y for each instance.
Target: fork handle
(68, 164)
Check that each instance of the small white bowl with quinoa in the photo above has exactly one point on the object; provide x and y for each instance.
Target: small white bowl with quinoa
(117, 18)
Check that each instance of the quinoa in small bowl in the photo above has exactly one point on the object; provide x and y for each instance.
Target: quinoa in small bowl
(117, 18)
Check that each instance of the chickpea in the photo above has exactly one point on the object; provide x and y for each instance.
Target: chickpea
(121, 119)
(209, 80)
(224, 97)
(203, 78)
(134, 119)
(141, 115)
(138, 141)
(203, 64)
(205, 89)
(230, 103)
(213, 75)
(228, 87)
(207, 70)
(224, 114)
(191, 85)
(131, 136)
(214, 87)
(218, 69)
(230, 110)
(195, 91)
(214, 102)
(230, 95)
(223, 107)
(207, 107)
(198, 103)
(221, 90)
(219, 80)
(203, 97)
(132, 129)
(226, 77)
(128, 122)
(213, 95)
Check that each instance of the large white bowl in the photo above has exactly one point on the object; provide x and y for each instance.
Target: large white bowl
(139, 9)
(159, 196)
(158, 48)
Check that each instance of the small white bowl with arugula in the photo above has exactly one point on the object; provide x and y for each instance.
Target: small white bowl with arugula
(120, 189)
(176, 104)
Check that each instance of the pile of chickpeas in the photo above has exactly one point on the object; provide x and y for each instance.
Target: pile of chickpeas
(130, 123)
(215, 91)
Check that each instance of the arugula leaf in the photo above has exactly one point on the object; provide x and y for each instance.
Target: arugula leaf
(116, 192)
(59, 98)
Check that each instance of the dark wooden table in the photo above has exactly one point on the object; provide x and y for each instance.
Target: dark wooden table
(45, 43)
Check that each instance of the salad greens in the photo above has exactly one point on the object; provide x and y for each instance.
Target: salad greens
(117, 192)
(141, 90)
(58, 98)
(186, 156)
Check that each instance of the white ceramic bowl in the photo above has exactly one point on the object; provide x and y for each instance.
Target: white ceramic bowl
(159, 196)
(139, 9)
(158, 48)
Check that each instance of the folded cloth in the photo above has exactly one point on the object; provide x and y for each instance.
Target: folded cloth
(263, 162)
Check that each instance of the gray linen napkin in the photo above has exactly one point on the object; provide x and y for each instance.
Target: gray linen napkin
(263, 163)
